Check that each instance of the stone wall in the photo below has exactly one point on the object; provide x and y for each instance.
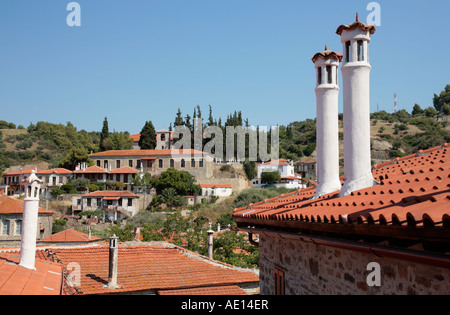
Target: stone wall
(311, 269)
(12, 239)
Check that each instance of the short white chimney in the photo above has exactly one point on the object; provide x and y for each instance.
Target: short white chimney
(30, 221)
(356, 69)
(113, 262)
(327, 128)
(210, 242)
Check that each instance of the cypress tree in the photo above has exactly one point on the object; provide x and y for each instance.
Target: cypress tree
(148, 137)
(104, 134)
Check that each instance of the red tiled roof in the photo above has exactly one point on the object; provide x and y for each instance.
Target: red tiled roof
(124, 170)
(219, 290)
(23, 172)
(56, 170)
(150, 267)
(69, 236)
(135, 137)
(10, 205)
(112, 193)
(215, 185)
(413, 192)
(276, 162)
(147, 152)
(47, 279)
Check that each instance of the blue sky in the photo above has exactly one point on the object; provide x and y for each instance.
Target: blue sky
(141, 60)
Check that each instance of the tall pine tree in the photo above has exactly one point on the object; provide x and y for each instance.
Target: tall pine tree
(148, 137)
(104, 134)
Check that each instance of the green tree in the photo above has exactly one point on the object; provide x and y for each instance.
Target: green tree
(270, 177)
(442, 101)
(104, 134)
(179, 119)
(417, 110)
(75, 156)
(182, 181)
(148, 137)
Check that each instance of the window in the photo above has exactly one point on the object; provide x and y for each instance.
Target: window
(98, 163)
(200, 163)
(5, 227)
(279, 281)
(163, 137)
(89, 202)
(183, 163)
(360, 50)
(105, 164)
(18, 227)
(99, 202)
(138, 164)
(192, 163)
(160, 163)
(347, 50)
(330, 79)
(118, 164)
(130, 202)
(120, 202)
(319, 75)
(172, 163)
(130, 163)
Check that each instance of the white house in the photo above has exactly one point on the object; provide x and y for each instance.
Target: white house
(286, 170)
(219, 190)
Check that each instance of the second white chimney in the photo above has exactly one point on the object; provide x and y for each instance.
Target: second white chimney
(327, 127)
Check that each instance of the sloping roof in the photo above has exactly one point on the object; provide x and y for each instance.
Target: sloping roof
(124, 170)
(148, 152)
(56, 171)
(47, 279)
(112, 193)
(69, 236)
(155, 266)
(412, 200)
(135, 137)
(217, 290)
(10, 205)
(23, 172)
(280, 162)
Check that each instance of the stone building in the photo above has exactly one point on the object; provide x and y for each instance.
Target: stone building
(197, 163)
(11, 212)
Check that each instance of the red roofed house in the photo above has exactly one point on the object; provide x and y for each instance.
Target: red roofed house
(69, 237)
(152, 268)
(384, 232)
(117, 205)
(50, 178)
(11, 211)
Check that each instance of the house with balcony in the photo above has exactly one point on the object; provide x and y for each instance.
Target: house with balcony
(116, 205)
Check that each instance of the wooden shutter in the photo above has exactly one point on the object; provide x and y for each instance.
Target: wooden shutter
(279, 281)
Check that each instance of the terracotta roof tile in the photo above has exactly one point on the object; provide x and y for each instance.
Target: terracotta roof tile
(69, 236)
(150, 266)
(10, 205)
(411, 192)
(112, 193)
(217, 290)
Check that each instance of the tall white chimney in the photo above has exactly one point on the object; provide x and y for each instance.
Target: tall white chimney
(356, 94)
(210, 242)
(327, 128)
(30, 221)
